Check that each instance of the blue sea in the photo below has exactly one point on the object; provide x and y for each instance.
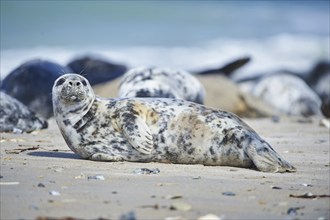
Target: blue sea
(190, 35)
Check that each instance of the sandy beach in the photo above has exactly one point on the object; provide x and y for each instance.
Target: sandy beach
(41, 178)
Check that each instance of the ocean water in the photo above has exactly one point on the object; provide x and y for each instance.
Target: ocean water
(191, 35)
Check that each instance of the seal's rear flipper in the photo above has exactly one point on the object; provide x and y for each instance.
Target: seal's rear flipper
(266, 159)
(226, 69)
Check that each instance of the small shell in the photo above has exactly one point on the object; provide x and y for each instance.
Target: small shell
(54, 193)
(180, 206)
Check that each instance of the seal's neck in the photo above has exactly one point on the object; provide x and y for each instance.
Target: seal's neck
(76, 112)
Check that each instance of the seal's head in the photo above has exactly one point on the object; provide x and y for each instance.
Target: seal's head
(71, 92)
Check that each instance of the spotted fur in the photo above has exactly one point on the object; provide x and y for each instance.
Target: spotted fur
(15, 116)
(288, 94)
(157, 130)
(161, 83)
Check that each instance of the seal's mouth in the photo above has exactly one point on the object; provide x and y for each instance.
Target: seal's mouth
(71, 96)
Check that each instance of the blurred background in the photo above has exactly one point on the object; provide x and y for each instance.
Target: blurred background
(191, 35)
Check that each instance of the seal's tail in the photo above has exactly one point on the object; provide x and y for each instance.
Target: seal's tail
(266, 159)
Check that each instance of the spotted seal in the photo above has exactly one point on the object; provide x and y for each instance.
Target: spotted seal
(156, 130)
(16, 117)
(161, 83)
(288, 94)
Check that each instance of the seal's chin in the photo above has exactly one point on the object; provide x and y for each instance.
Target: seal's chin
(73, 98)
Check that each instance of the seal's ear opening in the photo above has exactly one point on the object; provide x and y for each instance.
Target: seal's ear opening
(60, 82)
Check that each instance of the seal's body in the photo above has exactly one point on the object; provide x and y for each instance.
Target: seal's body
(156, 130)
(158, 82)
(288, 94)
(16, 117)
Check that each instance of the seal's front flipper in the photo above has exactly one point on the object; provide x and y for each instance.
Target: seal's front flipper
(105, 157)
(137, 132)
(266, 159)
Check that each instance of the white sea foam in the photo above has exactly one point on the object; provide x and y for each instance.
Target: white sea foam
(296, 53)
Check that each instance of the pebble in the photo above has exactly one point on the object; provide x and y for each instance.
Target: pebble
(293, 210)
(128, 216)
(146, 171)
(320, 141)
(156, 206)
(276, 187)
(41, 185)
(275, 118)
(228, 194)
(96, 177)
(197, 178)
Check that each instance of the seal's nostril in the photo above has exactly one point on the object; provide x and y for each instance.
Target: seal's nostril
(70, 83)
(78, 84)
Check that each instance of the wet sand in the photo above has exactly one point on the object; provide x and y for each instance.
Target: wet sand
(35, 166)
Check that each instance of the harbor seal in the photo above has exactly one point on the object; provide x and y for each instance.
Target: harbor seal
(288, 94)
(161, 83)
(31, 83)
(97, 69)
(319, 80)
(16, 117)
(156, 130)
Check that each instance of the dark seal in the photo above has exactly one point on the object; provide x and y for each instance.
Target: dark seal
(97, 70)
(31, 83)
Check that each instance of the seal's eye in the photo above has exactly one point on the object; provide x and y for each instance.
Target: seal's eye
(60, 82)
(84, 82)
